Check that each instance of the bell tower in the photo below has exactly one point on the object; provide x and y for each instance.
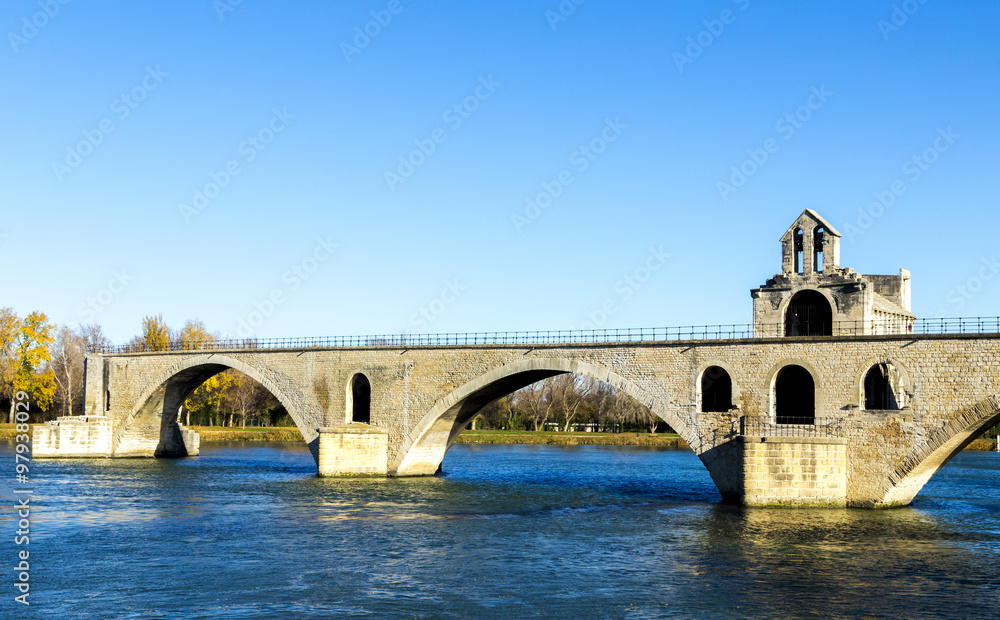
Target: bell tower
(811, 245)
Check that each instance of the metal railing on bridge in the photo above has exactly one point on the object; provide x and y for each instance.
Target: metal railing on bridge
(757, 426)
(977, 325)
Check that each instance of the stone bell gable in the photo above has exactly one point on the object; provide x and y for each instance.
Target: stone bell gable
(814, 296)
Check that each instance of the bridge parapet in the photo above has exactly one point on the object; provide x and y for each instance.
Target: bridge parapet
(873, 327)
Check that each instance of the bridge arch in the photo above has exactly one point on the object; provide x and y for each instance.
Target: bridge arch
(156, 408)
(941, 446)
(425, 446)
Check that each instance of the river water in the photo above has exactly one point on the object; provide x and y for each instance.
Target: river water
(248, 531)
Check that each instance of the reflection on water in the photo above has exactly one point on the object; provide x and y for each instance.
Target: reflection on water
(248, 530)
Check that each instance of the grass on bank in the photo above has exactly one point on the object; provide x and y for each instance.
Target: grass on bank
(250, 433)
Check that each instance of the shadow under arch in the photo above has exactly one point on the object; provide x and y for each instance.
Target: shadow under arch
(942, 445)
(158, 405)
(424, 448)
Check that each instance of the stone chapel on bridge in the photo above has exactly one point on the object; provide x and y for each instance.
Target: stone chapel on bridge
(814, 296)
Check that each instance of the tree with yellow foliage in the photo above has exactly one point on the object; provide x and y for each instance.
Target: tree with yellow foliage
(208, 398)
(10, 327)
(26, 351)
(194, 335)
(155, 333)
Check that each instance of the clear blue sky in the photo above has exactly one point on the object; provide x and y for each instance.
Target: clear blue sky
(183, 85)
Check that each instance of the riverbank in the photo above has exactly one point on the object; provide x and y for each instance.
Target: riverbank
(471, 437)
(250, 433)
(570, 439)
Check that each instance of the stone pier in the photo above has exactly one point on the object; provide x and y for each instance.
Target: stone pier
(353, 450)
(73, 437)
(779, 471)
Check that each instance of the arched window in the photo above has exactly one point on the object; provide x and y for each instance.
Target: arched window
(818, 250)
(808, 314)
(361, 399)
(879, 393)
(716, 390)
(794, 396)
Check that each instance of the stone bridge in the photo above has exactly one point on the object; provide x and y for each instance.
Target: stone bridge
(857, 420)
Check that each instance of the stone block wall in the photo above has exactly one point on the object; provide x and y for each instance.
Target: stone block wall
(352, 450)
(72, 437)
(794, 471)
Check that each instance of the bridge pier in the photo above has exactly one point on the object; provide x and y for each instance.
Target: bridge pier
(794, 471)
(353, 450)
(84, 436)
(93, 437)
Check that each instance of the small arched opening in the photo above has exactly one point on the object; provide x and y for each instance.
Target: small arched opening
(818, 249)
(794, 396)
(716, 390)
(809, 314)
(361, 400)
(798, 251)
(878, 387)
